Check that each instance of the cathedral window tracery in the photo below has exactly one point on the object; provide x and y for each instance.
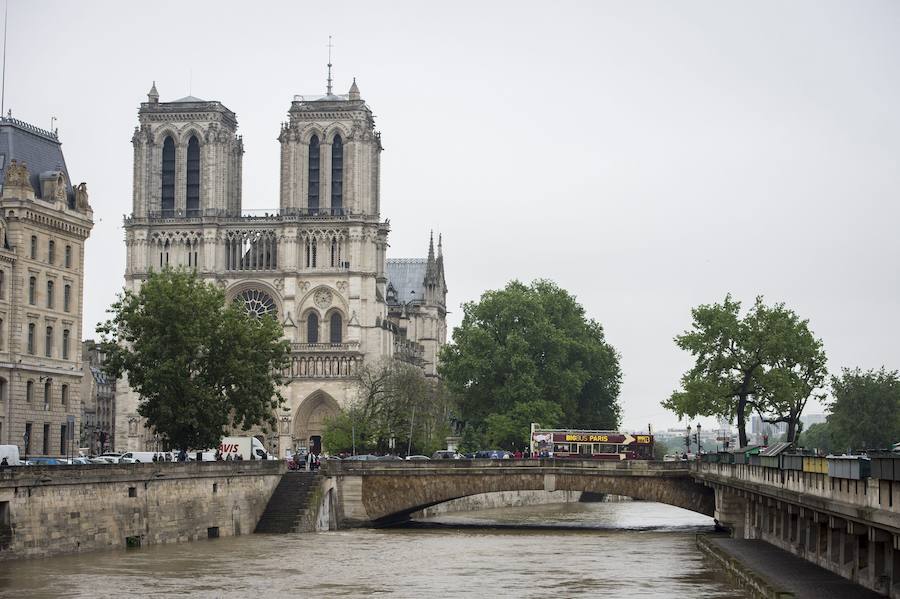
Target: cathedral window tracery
(337, 175)
(167, 199)
(313, 196)
(336, 326)
(257, 303)
(193, 177)
(312, 328)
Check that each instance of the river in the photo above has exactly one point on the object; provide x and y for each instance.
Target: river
(628, 549)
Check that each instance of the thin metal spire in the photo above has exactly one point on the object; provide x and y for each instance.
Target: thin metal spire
(330, 46)
(3, 84)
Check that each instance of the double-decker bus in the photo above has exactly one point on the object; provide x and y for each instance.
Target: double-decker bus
(591, 445)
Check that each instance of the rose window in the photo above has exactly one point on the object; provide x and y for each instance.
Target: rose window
(257, 303)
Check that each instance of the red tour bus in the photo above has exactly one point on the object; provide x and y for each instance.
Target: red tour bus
(591, 445)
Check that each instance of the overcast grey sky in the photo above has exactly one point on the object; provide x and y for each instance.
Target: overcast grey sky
(646, 156)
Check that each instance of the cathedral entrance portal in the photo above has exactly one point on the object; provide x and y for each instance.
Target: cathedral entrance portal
(312, 416)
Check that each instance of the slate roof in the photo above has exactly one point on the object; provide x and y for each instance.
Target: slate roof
(407, 278)
(187, 99)
(39, 149)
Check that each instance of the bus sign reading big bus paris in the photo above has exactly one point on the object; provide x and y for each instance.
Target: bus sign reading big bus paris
(591, 445)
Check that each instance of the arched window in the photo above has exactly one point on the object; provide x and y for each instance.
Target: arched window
(50, 294)
(51, 251)
(68, 256)
(67, 298)
(47, 396)
(334, 252)
(336, 328)
(34, 247)
(48, 343)
(167, 200)
(31, 338)
(337, 175)
(312, 328)
(64, 397)
(193, 177)
(29, 391)
(65, 346)
(32, 284)
(313, 198)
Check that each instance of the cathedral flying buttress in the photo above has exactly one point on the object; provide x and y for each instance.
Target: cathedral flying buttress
(318, 262)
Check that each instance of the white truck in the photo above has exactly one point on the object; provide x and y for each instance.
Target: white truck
(245, 447)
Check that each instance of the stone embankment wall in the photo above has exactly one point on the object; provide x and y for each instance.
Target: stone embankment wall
(63, 509)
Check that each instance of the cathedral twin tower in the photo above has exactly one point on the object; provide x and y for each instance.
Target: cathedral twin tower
(318, 263)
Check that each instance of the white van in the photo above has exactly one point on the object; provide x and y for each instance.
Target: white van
(140, 457)
(11, 453)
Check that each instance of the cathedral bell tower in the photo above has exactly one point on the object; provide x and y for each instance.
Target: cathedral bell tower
(187, 159)
(330, 155)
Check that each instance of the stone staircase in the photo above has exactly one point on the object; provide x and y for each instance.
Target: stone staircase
(289, 509)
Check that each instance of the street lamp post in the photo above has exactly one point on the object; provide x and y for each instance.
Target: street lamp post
(699, 446)
(687, 438)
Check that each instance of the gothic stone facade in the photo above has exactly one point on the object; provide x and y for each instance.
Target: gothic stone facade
(44, 222)
(318, 262)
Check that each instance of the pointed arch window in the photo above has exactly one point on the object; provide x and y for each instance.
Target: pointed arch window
(193, 177)
(313, 196)
(167, 199)
(336, 326)
(337, 175)
(312, 328)
(335, 255)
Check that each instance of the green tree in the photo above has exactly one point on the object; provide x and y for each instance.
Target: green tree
(396, 410)
(818, 437)
(511, 430)
(767, 361)
(201, 367)
(531, 345)
(865, 411)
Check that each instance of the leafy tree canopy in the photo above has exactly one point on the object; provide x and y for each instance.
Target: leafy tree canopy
(528, 351)
(865, 410)
(767, 361)
(396, 410)
(200, 366)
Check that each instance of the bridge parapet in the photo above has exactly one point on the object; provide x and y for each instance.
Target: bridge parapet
(871, 500)
(554, 466)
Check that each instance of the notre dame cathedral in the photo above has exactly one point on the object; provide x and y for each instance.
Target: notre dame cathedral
(318, 262)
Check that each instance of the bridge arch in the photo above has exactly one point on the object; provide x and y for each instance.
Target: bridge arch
(372, 493)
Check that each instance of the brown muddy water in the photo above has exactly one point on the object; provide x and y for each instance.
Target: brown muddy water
(628, 549)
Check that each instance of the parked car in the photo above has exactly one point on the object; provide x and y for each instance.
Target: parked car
(108, 458)
(445, 455)
(493, 454)
(365, 457)
(44, 461)
(389, 458)
(418, 458)
(139, 457)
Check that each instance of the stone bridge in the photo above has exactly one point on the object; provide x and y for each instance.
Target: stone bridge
(386, 492)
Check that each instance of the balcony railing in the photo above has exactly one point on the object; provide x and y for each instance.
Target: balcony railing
(322, 347)
(271, 214)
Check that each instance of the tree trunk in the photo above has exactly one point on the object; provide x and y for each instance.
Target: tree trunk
(742, 430)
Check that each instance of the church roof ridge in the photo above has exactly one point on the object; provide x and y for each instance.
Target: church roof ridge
(408, 260)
